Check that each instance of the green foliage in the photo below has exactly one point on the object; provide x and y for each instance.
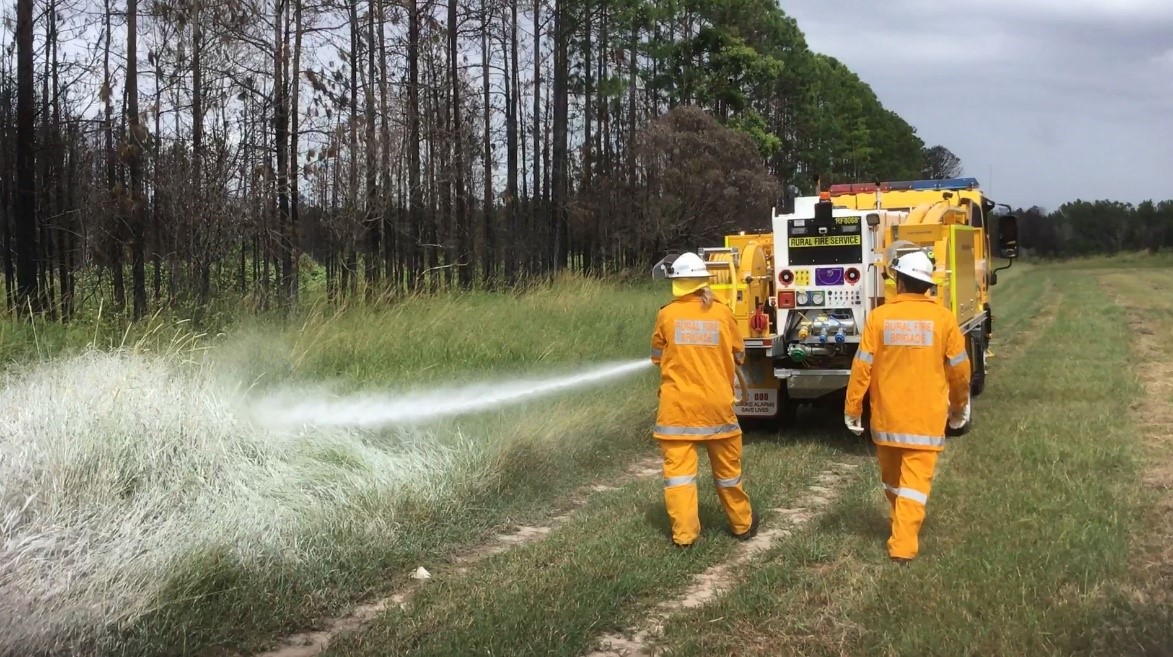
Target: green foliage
(1086, 228)
(747, 63)
(752, 124)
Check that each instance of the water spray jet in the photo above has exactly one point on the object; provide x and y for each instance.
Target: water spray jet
(379, 410)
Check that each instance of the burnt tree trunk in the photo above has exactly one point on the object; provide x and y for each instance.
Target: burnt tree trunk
(487, 212)
(561, 116)
(415, 193)
(136, 138)
(25, 229)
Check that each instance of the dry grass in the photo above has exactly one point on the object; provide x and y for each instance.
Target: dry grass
(142, 512)
(1149, 591)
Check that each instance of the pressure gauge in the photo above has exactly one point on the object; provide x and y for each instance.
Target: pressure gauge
(803, 298)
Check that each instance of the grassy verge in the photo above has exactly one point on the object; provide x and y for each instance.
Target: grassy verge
(149, 518)
(1136, 612)
(1028, 526)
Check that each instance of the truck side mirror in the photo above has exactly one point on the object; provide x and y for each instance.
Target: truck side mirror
(1008, 236)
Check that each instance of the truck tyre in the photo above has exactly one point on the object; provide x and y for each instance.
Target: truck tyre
(787, 410)
(977, 358)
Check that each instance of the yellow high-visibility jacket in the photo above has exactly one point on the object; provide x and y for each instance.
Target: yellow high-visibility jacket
(912, 360)
(697, 351)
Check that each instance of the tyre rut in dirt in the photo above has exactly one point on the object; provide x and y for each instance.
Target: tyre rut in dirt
(310, 644)
(639, 641)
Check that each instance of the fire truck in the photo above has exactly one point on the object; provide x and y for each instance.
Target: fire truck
(802, 291)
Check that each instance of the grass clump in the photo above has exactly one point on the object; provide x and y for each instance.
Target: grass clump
(120, 470)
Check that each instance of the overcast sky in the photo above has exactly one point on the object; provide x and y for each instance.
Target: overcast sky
(1064, 99)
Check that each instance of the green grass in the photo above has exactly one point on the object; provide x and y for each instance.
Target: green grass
(1032, 525)
(1040, 538)
(1030, 547)
(1125, 260)
(596, 574)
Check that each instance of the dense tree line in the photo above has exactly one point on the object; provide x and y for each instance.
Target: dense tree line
(1085, 228)
(163, 151)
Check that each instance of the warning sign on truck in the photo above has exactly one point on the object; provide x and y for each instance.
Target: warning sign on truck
(758, 402)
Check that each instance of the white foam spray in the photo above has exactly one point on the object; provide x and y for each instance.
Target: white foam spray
(372, 411)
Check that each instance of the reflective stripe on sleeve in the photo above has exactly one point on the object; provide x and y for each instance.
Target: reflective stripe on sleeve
(665, 430)
(728, 483)
(683, 480)
(909, 439)
(864, 356)
(656, 353)
(739, 356)
(958, 359)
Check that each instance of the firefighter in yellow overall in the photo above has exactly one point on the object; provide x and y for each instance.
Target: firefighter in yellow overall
(913, 365)
(697, 345)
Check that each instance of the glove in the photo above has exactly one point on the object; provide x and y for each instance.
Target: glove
(853, 424)
(959, 417)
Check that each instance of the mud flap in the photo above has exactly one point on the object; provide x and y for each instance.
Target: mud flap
(763, 399)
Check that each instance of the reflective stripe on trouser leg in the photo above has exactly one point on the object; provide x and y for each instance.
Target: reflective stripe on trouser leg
(725, 459)
(917, 467)
(680, 500)
(889, 462)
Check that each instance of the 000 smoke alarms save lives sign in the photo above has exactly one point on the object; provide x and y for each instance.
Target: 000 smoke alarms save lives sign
(760, 401)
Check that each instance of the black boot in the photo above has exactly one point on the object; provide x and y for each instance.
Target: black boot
(753, 528)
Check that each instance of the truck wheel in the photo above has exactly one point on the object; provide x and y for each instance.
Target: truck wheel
(787, 410)
(977, 358)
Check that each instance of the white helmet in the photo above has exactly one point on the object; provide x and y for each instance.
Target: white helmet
(688, 265)
(915, 264)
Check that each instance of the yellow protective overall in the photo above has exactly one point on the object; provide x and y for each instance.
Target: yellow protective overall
(697, 349)
(912, 362)
(907, 476)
